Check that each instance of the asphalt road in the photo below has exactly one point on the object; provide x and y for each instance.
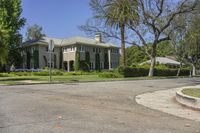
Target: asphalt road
(96, 107)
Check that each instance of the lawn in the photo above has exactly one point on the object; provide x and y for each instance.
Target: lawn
(192, 92)
(63, 77)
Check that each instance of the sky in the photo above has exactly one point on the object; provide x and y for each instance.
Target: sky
(58, 18)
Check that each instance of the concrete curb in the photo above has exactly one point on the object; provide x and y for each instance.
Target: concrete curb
(186, 100)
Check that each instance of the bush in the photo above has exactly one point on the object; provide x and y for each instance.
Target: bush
(46, 73)
(21, 73)
(109, 75)
(133, 71)
(4, 75)
(140, 72)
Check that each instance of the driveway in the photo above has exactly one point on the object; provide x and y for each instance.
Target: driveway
(96, 107)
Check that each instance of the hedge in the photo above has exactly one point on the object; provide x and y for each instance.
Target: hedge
(140, 72)
(110, 75)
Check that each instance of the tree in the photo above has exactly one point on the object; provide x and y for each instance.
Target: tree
(156, 18)
(34, 32)
(153, 27)
(36, 59)
(135, 55)
(192, 42)
(11, 22)
(114, 14)
(87, 60)
(77, 61)
(97, 62)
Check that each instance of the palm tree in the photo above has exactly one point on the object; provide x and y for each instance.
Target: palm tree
(118, 13)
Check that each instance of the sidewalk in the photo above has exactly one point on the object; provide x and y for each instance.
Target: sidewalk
(165, 101)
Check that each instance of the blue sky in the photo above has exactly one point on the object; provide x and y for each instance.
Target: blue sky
(59, 18)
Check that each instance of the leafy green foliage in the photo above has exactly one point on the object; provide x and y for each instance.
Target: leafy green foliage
(36, 58)
(110, 75)
(165, 49)
(10, 39)
(142, 71)
(97, 62)
(192, 41)
(77, 61)
(135, 55)
(87, 61)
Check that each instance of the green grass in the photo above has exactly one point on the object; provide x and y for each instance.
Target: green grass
(65, 77)
(192, 92)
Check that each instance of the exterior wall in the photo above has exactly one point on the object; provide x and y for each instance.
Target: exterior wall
(24, 52)
(115, 58)
(43, 54)
(43, 50)
(101, 50)
(69, 53)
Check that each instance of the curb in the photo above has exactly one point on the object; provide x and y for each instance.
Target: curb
(189, 101)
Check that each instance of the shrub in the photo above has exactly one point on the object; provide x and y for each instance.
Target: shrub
(4, 75)
(139, 71)
(109, 75)
(21, 73)
(46, 73)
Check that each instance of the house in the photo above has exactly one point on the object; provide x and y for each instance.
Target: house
(165, 61)
(94, 54)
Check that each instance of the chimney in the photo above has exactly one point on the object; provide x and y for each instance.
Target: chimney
(98, 37)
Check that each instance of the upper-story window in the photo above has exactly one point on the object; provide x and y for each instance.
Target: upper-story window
(82, 48)
(115, 51)
(65, 49)
(97, 50)
(73, 48)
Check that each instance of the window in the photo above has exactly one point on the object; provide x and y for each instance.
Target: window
(94, 50)
(73, 48)
(101, 65)
(91, 65)
(64, 49)
(82, 48)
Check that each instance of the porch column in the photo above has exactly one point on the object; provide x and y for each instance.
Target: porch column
(109, 59)
(68, 66)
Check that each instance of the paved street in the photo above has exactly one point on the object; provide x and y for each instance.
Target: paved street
(96, 107)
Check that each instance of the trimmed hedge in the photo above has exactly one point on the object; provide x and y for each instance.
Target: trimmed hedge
(140, 72)
(46, 73)
(110, 75)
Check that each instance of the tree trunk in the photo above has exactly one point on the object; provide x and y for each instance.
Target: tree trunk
(153, 60)
(193, 70)
(179, 69)
(123, 58)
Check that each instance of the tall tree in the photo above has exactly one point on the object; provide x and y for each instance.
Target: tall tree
(154, 24)
(114, 14)
(192, 42)
(34, 32)
(156, 18)
(10, 24)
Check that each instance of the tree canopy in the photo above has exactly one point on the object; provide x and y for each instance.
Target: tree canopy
(10, 24)
(34, 32)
